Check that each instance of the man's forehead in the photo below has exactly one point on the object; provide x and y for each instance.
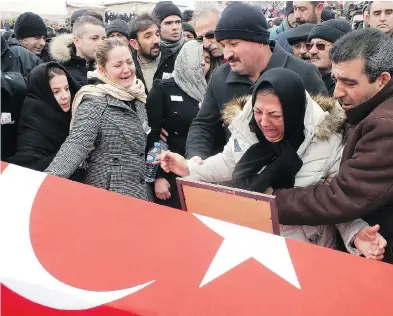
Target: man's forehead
(348, 69)
(206, 23)
(381, 5)
(301, 3)
(172, 19)
(93, 30)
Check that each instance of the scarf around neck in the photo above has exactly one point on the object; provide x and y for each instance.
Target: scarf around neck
(188, 72)
(136, 91)
(275, 165)
(173, 46)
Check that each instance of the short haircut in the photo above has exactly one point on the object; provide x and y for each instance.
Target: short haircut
(95, 15)
(77, 29)
(369, 6)
(187, 15)
(371, 45)
(142, 23)
(315, 3)
(206, 9)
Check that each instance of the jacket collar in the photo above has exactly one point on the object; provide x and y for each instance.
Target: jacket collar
(278, 59)
(363, 110)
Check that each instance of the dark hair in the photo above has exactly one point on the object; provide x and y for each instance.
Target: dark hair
(357, 12)
(53, 72)
(315, 3)
(369, 6)
(277, 21)
(187, 15)
(371, 45)
(142, 23)
(63, 30)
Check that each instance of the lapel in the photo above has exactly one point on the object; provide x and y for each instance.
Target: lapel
(124, 128)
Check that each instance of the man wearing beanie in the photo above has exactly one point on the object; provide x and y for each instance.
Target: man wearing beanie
(298, 39)
(30, 31)
(118, 28)
(188, 32)
(287, 24)
(249, 53)
(321, 38)
(169, 16)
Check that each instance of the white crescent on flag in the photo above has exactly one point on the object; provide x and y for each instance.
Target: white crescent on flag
(20, 269)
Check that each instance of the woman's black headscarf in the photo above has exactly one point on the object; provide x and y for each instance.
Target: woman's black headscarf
(43, 125)
(280, 158)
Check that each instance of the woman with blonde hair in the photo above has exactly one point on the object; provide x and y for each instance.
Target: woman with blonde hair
(108, 126)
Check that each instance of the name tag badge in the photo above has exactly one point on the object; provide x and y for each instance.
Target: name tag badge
(176, 98)
(166, 75)
(6, 118)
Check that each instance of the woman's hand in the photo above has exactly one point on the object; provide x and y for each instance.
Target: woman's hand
(162, 189)
(370, 243)
(171, 162)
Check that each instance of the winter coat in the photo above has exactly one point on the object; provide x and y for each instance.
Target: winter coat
(320, 152)
(43, 126)
(62, 50)
(169, 107)
(13, 93)
(164, 69)
(363, 186)
(207, 135)
(108, 134)
(15, 58)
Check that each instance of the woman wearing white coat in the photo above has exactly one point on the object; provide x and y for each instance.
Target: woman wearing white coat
(281, 139)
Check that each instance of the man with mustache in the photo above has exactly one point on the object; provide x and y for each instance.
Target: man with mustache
(307, 12)
(152, 61)
(321, 39)
(249, 53)
(298, 39)
(30, 32)
(380, 16)
(362, 66)
(206, 19)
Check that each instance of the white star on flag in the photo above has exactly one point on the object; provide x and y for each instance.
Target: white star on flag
(242, 243)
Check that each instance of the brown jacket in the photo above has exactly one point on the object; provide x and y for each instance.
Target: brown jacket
(364, 185)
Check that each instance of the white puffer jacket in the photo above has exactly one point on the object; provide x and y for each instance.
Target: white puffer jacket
(320, 152)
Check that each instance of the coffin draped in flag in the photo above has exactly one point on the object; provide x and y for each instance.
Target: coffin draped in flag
(71, 249)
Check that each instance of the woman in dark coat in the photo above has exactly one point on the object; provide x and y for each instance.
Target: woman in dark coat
(45, 116)
(172, 104)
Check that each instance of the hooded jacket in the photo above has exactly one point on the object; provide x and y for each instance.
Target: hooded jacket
(207, 134)
(43, 125)
(16, 58)
(63, 51)
(320, 152)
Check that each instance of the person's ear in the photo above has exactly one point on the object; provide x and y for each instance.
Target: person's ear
(101, 69)
(319, 8)
(134, 44)
(367, 16)
(383, 79)
(76, 41)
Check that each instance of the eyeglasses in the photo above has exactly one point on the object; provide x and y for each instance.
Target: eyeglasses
(319, 46)
(208, 35)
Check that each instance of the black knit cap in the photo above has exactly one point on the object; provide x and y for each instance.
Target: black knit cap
(189, 28)
(299, 33)
(163, 9)
(330, 30)
(242, 21)
(289, 8)
(119, 26)
(29, 24)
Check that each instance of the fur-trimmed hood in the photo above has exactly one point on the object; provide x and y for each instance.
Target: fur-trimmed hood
(334, 122)
(61, 48)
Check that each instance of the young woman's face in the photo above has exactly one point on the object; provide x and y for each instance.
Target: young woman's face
(269, 116)
(61, 91)
(120, 68)
(206, 60)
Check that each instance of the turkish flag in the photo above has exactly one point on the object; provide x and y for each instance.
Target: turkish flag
(97, 240)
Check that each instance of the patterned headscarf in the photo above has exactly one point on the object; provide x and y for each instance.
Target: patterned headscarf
(188, 73)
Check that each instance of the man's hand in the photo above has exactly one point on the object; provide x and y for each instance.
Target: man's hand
(164, 134)
(370, 243)
(162, 189)
(197, 159)
(171, 162)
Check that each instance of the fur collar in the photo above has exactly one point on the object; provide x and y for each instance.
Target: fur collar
(61, 48)
(334, 122)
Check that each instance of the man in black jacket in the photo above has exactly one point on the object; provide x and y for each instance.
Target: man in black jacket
(152, 61)
(76, 51)
(246, 47)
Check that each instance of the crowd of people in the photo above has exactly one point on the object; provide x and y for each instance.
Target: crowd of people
(301, 111)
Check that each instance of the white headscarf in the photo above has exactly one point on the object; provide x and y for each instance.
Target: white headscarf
(188, 71)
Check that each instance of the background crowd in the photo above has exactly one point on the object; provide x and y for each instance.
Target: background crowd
(301, 108)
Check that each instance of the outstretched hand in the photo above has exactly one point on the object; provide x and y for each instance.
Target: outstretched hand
(370, 243)
(171, 162)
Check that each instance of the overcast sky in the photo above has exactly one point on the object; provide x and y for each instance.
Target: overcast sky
(51, 6)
